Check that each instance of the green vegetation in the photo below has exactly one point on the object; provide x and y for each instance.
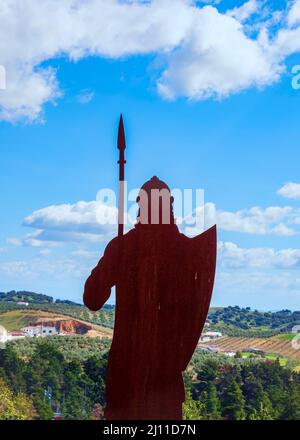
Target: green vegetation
(237, 321)
(16, 319)
(287, 337)
(23, 315)
(73, 348)
(68, 373)
(30, 297)
(240, 389)
(14, 406)
(232, 321)
(39, 376)
(56, 374)
(274, 357)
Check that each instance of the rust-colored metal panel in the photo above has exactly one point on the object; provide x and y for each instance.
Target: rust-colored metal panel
(164, 284)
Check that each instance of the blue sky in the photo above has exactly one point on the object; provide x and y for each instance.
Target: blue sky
(233, 131)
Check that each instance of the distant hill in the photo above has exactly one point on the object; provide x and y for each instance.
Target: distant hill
(16, 307)
(16, 319)
(231, 321)
(237, 321)
(23, 295)
(32, 298)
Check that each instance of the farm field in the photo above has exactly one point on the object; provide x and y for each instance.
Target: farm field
(282, 360)
(276, 345)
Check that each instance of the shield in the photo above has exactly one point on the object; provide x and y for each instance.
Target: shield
(199, 265)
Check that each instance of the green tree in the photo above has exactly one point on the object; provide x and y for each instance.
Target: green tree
(212, 404)
(14, 369)
(258, 405)
(51, 364)
(263, 410)
(76, 403)
(233, 402)
(14, 406)
(292, 406)
(95, 370)
(43, 407)
(192, 409)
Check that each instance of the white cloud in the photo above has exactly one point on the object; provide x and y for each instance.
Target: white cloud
(44, 252)
(85, 96)
(90, 222)
(33, 32)
(212, 2)
(294, 13)
(196, 45)
(33, 239)
(262, 277)
(231, 255)
(94, 222)
(245, 11)
(80, 217)
(27, 89)
(14, 241)
(267, 289)
(290, 190)
(84, 253)
(203, 66)
(59, 268)
(273, 220)
(13, 268)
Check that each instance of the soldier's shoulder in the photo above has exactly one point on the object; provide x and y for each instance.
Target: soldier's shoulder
(116, 241)
(112, 245)
(131, 233)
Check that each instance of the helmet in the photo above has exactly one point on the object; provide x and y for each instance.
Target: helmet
(155, 203)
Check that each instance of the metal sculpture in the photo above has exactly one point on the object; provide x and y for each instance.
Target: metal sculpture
(164, 282)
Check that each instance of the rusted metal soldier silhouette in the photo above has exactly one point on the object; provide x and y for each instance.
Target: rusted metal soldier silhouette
(164, 282)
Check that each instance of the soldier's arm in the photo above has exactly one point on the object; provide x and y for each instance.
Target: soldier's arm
(98, 285)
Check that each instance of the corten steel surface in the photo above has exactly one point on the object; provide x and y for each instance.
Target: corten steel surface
(164, 282)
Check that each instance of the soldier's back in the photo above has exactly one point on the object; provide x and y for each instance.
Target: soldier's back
(144, 353)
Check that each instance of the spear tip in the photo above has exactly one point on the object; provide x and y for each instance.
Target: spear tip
(121, 135)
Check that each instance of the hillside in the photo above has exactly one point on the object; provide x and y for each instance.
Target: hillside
(231, 321)
(104, 317)
(32, 298)
(16, 319)
(237, 321)
(276, 345)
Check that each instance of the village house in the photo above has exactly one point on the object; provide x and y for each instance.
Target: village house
(40, 330)
(210, 336)
(16, 335)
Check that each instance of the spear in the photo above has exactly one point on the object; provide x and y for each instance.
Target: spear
(121, 162)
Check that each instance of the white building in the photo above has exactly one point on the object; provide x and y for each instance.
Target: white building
(32, 330)
(49, 331)
(210, 336)
(22, 303)
(16, 335)
(39, 330)
(230, 353)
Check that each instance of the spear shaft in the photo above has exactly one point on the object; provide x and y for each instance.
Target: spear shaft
(121, 162)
